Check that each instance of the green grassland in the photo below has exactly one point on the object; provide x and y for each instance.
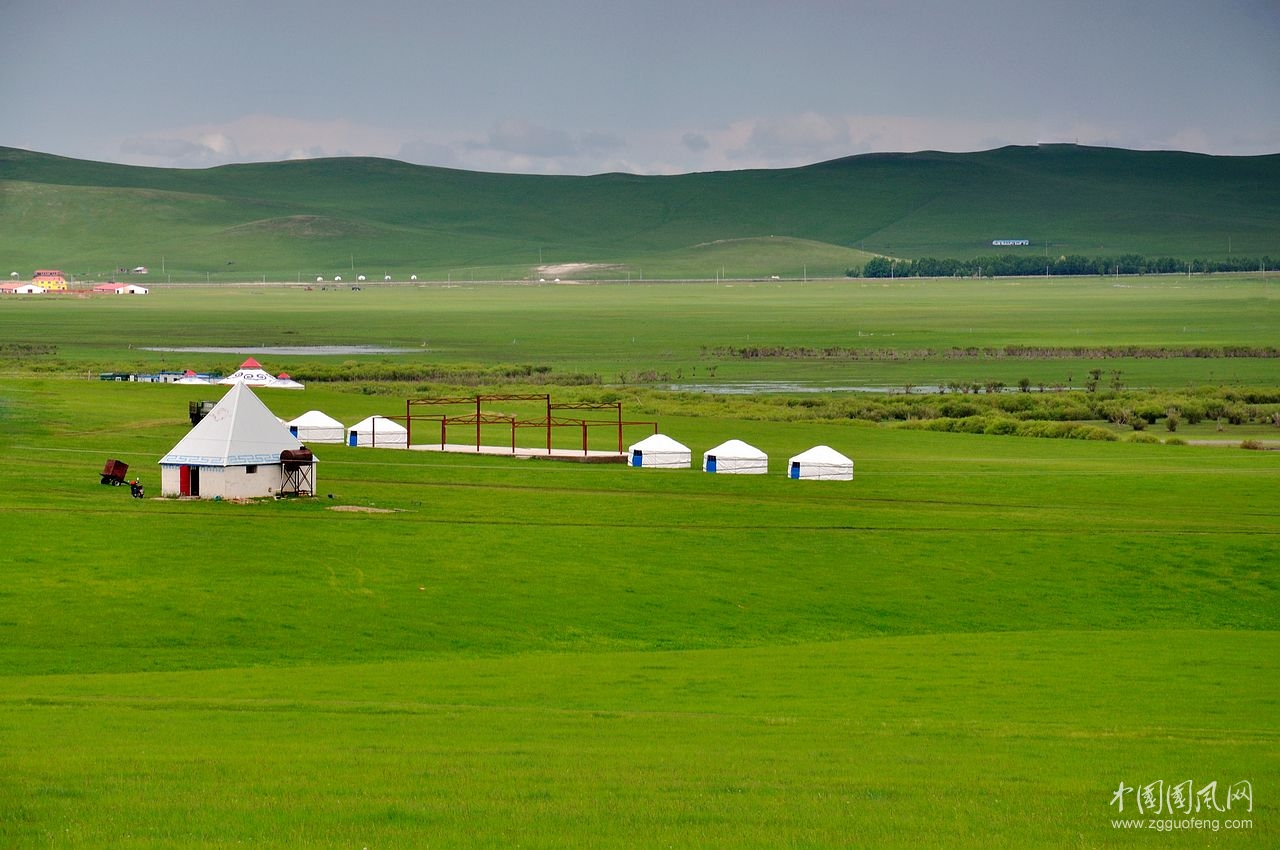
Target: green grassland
(886, 334)
(973, 644)
(294, 221)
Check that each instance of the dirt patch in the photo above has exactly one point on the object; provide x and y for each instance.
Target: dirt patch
(362, 509)
(568, 269)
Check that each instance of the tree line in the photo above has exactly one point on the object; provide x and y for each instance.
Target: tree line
(1014, 265)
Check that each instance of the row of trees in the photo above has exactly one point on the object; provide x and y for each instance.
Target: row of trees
(1014, 265)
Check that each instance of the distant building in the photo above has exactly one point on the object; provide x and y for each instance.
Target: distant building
(121, 289)
(12, 288)
(50, 279)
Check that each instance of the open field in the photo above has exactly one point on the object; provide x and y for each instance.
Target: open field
(885, 334)
(973, 644)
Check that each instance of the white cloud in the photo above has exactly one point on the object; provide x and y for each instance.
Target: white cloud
(521, 137)
(807, 136)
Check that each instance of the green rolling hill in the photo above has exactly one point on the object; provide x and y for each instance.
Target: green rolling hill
(301, 219)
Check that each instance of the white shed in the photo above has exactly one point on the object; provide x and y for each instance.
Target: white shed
(659, 452)
(821, 463)
(735, 457)
(378, 432)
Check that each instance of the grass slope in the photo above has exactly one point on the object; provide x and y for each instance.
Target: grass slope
(971, 645)
(296, 220)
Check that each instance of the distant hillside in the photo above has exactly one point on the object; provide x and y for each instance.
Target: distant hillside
(299, 219)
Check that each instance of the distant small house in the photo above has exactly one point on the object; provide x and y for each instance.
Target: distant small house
(140, 270)
(50, 279)
(10, 288)
(121, 289)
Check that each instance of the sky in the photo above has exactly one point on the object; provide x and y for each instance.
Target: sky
(639, 86)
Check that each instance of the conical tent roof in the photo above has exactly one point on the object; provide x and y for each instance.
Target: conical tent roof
(659, 443)
(239, 431)
(823, 454)
(736, 449)
(315, 419)
(380, 423)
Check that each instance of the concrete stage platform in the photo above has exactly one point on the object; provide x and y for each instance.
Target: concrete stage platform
(524, 453)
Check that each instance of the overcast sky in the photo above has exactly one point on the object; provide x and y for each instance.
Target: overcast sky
(644, 86)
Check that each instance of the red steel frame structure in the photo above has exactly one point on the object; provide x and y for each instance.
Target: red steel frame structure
(548, 422)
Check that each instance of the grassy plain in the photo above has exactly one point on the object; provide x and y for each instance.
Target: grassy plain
(681, 330)
(973, 644)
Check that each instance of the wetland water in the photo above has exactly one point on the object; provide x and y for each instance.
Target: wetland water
(290, 350)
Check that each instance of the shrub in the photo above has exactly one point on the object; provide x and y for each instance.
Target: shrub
(1002, 426)
(1252, 445)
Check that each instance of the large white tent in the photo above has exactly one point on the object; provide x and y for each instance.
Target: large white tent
(735, 457)
(233, 452)
(315, 426)
(379, 432)
(659, 452)
(821, 463)
(251, 373)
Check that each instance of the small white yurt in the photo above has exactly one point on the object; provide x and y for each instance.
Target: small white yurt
(233, 452)
(820, 463)
(316, 427)
(284, 382)
(659, 452)
(736, 458)
(378, 432)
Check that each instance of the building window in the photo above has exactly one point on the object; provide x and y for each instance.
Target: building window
(251, 469)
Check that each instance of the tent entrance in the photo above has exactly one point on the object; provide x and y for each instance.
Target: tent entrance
(711, 463)
(795, 469)
(188, 481)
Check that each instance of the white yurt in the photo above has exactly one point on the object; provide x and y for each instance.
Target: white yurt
(251, 373)
(233, 452)
(315, 426)
(378, 432)
(659, 452)
(736, 458)
(284, 382)
(189, 378)
(820, 463)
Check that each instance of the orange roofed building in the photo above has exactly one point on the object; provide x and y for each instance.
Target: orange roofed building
(50, 279)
